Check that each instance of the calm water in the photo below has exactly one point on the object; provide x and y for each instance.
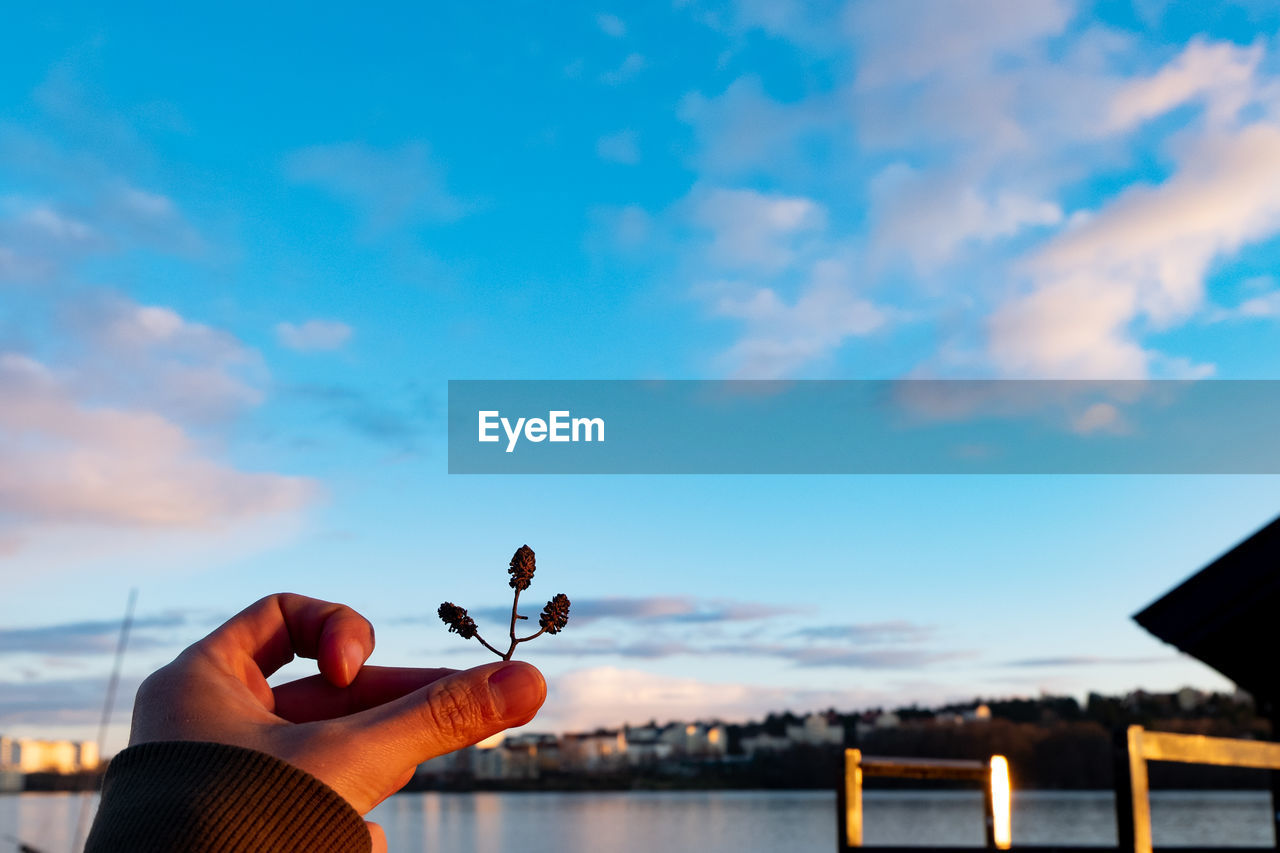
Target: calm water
(729, 821)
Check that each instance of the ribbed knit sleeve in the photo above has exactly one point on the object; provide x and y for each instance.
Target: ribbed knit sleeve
(213, 798)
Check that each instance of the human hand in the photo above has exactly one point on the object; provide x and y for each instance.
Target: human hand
(362, 730)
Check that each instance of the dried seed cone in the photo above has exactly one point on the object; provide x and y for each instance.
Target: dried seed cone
(555, 615)
(457, 619)
(522, 567)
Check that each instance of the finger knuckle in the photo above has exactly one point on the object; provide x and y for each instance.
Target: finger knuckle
(453, 711)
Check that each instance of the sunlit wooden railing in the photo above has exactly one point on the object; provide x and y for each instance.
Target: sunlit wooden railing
(993, 775)
(1137, 746)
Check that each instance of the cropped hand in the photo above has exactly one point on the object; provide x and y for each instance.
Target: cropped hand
(362, 730)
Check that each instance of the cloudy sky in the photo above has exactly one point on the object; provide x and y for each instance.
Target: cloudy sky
(242, 250)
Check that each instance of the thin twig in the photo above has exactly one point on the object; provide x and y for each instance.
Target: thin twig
(489, 647)
(532, 636)
(515, 603)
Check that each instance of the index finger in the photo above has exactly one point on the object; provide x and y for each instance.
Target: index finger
(314, 698)
(267, 634)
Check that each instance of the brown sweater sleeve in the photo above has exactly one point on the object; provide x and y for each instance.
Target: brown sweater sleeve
(213, 798)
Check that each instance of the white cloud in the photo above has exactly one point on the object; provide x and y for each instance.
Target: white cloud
(313, 335)
(1222, 75)
(56, 225)
(901, 41)
(611, 25)
(42, 232)
(108, 426)
(781, 337)
(766, 261)
(1267, 305)
(391, 188)
(1144, 256)
(146, 203)
(151, 357)
(1072, 328)
(1263, 306)
(928, 217)
(753, 230)
(743, 128)
(64, 461)
(810, 23)
(609, 696)
(621, 147)
(954, 135)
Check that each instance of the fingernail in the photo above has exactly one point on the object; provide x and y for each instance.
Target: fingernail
(352, 659)
(517, 690)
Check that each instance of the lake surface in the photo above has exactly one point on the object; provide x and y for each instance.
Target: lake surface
(730, 821)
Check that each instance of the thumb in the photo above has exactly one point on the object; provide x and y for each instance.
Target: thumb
(455, 711)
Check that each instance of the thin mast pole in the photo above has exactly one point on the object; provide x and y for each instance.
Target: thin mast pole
(81, 823)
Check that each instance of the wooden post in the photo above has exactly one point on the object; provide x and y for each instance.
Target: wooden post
(1133, 805)
(850, 809)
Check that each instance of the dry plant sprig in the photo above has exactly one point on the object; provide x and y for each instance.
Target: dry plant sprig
(555, 615)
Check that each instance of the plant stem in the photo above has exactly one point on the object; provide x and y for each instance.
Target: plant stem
(515, 602)
(532, 636)
(491, 648)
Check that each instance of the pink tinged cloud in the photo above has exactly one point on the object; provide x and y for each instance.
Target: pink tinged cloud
(150, 357)
(64, 461)
(900, 41)
(927, 217)
(609, 696)
(1221, 75)
(1144, 256)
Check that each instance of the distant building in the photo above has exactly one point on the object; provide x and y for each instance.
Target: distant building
(646, 748)
(763, 743)
(19, 755)
(505, 762)
(695, 740)
(869, 721)
(595, 752)
(817, 730)
(543, 751)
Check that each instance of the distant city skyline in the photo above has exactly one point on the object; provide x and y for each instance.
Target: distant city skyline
(244, 249)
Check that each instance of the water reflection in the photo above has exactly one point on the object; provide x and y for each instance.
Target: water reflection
(733, 821)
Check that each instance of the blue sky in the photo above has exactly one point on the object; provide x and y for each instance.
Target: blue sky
(243, 250)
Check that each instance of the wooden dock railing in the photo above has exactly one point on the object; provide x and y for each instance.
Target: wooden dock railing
(1136, 746)
(993, 775)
